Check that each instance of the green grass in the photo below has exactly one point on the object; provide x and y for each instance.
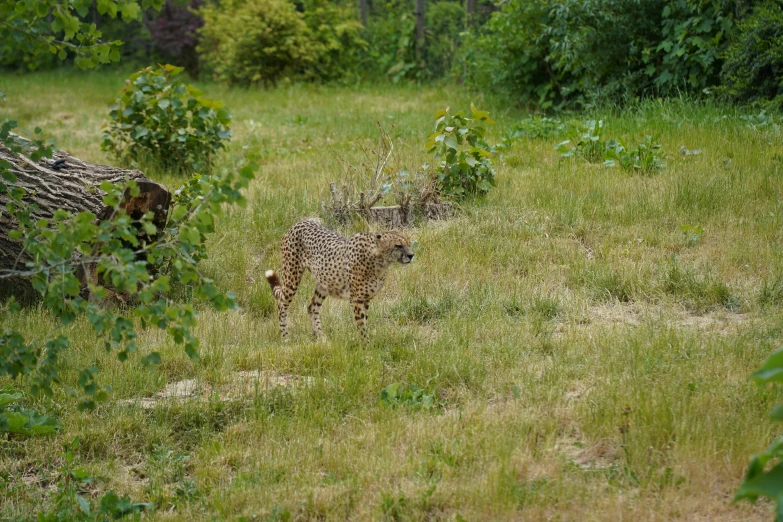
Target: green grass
(587, 360)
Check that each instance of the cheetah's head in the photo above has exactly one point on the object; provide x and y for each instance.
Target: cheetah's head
(394, 247)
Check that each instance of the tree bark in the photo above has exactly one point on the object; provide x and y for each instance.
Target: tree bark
(470, 7)
(419, 30)
(363, 10)
(68, 183)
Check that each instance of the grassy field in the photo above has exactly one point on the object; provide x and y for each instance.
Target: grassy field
(585, 358)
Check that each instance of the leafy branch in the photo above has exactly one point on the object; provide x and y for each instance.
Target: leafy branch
(118, 264)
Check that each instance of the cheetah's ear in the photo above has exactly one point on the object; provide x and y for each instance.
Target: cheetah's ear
(377, 236)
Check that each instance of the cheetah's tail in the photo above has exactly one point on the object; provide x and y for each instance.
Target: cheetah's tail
(274, 282)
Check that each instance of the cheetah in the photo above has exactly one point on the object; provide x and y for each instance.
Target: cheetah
(345, 268)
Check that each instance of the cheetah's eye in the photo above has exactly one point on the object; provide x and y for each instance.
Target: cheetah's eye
(397, 246)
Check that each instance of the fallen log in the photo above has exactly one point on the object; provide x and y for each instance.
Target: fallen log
(71, 184)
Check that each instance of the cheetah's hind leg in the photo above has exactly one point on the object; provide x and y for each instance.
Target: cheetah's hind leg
(284, 293)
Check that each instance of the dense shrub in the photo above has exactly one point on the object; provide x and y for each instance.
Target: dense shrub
(693, 36)
(573, 52)
(391, 37)
(161, 119)
(11, 58)
(335, 33)
(509, 56)
(444, 21)
(263, 41)
(753, 69)
(258, 41)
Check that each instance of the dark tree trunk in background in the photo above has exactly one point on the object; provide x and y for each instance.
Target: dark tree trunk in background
(419, 30)
(470, 7)
(68, 183)
(363, 9)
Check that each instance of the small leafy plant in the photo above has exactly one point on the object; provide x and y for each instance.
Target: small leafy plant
(539, 127)
(463, 167)
(72, 500)
(645, 157)
(409, 395)
(590, 146)
(692, 233)
(15, 419)
(593, 148)
(159, 118)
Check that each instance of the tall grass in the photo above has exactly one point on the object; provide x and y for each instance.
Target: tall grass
(587, 361)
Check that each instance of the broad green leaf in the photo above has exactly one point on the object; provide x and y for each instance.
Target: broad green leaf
(13, 422)
(771, 370)
(480, 115)
(83, 504)
(768, 484)
(150, 228)
(131, 11)
(8, 396)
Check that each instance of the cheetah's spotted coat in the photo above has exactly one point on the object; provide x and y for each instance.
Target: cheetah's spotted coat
(346, 268)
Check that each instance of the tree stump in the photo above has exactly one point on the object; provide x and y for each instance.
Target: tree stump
(439, 210)
(403, 216)
(68, 183)
(390, 217)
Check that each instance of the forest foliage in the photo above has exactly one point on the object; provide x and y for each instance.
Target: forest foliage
(544, 53)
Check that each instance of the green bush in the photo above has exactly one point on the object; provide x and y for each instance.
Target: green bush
(391, 37)
(161, 119)
(693, 36)
(574, 52)
(264, 41)
(255, 41)
(753, 68)
(337, 43)
(505, 56)
(463, 166)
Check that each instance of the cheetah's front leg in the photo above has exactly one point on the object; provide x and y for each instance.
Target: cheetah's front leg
(315, 309)
(360, 315)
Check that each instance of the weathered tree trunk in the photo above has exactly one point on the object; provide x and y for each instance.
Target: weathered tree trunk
(363, 10)
(470, 6)
(68, 183)
(419, 30)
